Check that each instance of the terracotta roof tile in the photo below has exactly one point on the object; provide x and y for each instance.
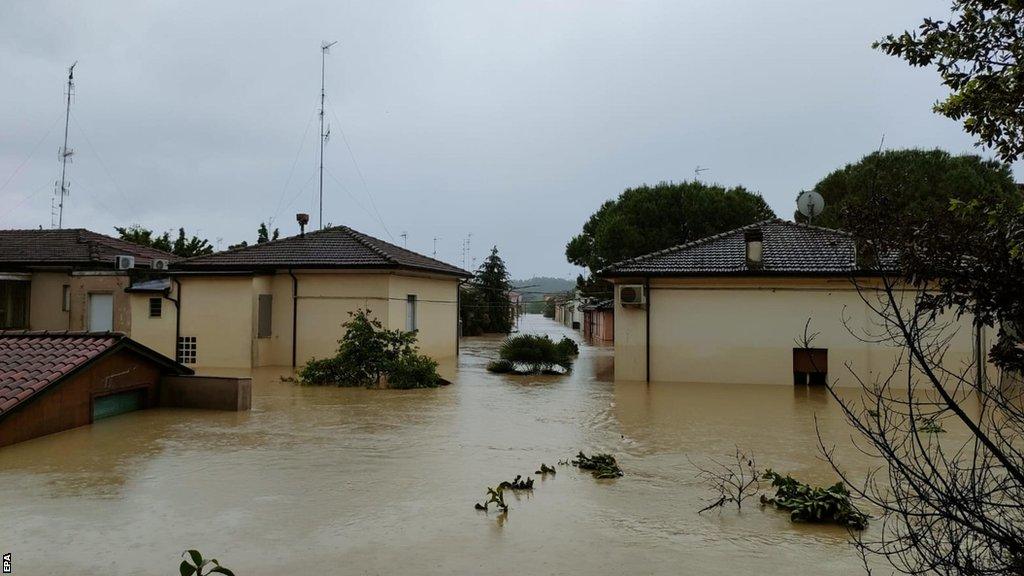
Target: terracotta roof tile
(338, 247)
(32, 361)
(71, 246)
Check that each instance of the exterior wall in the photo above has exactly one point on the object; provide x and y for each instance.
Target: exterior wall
(156, 333)
(85, 283)
(742, 330)
(324, 303)
(46, 301)
(218, 312)
(599, 325)
(69, 403)
(436, 312)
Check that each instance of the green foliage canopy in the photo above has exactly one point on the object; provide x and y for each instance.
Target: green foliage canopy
(977, 53)
(650, 218)
(183, 246)
(485, 305)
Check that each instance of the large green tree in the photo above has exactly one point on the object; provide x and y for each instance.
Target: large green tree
(485, 304)
(183, 245)
(977, 52)
(916, 186)
(649, 218)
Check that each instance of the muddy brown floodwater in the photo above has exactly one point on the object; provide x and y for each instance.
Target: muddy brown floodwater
(354, 481)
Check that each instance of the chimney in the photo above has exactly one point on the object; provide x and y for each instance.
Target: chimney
(302, 219)
(755, 248)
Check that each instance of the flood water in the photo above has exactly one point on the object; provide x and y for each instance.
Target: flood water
(354, 481)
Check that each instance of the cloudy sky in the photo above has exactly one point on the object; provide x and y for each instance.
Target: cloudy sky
(510, 121)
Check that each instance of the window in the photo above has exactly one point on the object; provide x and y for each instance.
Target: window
(156, 307)
(65, 299)
(187, 349)
(263, 314)
(14, 303)
(410, 313)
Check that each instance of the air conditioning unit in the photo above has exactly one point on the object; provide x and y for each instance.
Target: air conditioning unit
(631, 294)
(124, 262)
(160, 264)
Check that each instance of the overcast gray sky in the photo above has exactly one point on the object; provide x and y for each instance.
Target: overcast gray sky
(511, 121)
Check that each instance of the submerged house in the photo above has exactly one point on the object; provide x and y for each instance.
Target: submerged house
(70, 279)
(283, 302)
(734, 306)
(54, 381)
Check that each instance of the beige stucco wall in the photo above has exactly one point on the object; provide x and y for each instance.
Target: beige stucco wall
(743, 331)
(324, 303)
(436, 312)
(156, 333)
(45, 301)
(218, 311)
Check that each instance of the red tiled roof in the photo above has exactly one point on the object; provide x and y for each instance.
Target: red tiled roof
(70, 247)
(30, 362)
(338, 247)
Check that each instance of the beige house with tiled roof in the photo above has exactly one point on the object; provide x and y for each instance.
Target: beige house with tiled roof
(283, 302)
(730, 308)
(70, 279)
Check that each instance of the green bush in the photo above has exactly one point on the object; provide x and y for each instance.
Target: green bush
(501, 367)
(814, 504)
(537, 353)
(367, 352)
(568, 347)
(413, 371)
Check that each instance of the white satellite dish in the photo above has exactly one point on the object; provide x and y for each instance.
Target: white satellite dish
(810, 204)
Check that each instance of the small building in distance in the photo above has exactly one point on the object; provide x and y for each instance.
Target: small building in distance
(54, 381)
(283, 302)
(70, 279)
(732, 308)
(599, 321)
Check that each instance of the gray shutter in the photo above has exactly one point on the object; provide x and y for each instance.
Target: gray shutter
(266, 304)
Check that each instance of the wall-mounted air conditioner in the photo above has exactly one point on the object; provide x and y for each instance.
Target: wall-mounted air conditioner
(160, 264)
(631, 294)
(124, 262)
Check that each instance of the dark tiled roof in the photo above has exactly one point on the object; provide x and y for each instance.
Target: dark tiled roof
(30, 362)
(71, 247)
(788, 248)
(338, 247)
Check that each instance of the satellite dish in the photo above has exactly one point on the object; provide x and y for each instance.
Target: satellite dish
(810, 204)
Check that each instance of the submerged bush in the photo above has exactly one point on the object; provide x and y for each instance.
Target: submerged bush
(531, 354)
(368, 353)
(814, 504)
(600, 465)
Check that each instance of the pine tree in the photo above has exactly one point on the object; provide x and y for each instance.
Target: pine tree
(493, 283)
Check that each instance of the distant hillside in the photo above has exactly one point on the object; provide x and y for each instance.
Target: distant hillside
(538, 286)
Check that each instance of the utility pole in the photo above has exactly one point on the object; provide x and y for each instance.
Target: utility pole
(65, 152)
(324, 47)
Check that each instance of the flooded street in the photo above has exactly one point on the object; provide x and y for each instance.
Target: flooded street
(354, 481)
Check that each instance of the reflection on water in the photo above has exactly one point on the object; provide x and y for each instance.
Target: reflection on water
(333, 480)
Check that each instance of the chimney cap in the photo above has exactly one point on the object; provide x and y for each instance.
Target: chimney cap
(302, 218)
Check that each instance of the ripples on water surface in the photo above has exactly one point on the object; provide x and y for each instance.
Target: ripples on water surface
(353, 481)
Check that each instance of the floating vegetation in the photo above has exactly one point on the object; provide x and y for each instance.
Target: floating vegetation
(194, 565)
(495, 496)
(532, 354)
(600, 465)
(545, 469)
(814, 504)
(517, 484)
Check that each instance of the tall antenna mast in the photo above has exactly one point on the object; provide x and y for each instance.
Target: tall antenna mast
(65, 152)
(324, 48)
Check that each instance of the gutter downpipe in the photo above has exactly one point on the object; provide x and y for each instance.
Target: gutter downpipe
(295, 314)
(177, 318)
(647, 327)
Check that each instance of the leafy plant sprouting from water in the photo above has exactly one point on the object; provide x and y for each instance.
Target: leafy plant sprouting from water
(733, 481)
(495, 496)
(193, 564)
(600, 465)
(517, 484)
(545, 469)
(814, 504)
(532, 354)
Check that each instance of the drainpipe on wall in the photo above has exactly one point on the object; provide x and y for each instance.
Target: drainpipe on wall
(295, 314)
(177, 318)
(647, 327)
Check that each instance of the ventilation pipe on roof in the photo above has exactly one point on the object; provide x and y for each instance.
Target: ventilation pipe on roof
(755, 248)
(302, 219)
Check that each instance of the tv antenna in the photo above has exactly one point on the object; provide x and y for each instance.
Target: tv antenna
(405, 239)
(810, 204)
(434, 254)
(325, 47)
(65, 153)
(698, 170)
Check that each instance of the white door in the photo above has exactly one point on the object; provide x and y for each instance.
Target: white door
(101, 312)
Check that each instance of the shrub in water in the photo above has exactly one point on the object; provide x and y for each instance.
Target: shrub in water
(536, 353)
(500, 367)
(367, 352)
(814, 504)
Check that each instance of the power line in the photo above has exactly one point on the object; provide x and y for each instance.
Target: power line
(30, 154)
(291, 172)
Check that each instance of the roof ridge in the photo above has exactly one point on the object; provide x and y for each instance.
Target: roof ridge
(65, 333)
(396, 246)
(690, 244)
(118, 243)
(256, 245)
(360, 237)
